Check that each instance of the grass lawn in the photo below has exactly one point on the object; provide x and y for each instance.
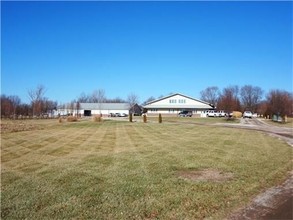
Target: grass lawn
(192, 120)
(122, 170)
(288, 124)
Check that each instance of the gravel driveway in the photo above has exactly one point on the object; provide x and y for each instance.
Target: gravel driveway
(284, 133)
(276, 202)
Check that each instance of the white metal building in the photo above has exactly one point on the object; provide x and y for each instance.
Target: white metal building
(89, 109)
(175, 103)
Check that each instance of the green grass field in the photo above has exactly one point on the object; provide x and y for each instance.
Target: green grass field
(122, 170)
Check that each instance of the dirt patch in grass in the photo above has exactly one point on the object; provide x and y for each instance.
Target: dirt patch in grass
(209, 175)
(17, 127)
(274, 203)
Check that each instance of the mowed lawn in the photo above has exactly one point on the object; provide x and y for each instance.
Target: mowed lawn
(122, 170)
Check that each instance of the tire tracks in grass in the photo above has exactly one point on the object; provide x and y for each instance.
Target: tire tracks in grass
(92, 144)
(44, 153)
(29, 141)
(128, 170)
(29, 169)
(175, 141)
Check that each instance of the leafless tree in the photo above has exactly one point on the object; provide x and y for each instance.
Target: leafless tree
(72, 106)
(279, 102)
(6, 106)
(36, 96)
(251, 97)
(15, 102)
(148, 100)
(99, 97)
(83, 98)
(115, 100)
(210, 95)
(77, 108)
(132, 99)
(229, 99)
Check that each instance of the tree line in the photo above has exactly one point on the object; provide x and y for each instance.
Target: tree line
(231, 98)
(41, 106)
(249, 98)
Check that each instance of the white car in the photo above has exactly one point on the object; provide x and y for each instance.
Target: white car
(212, 113)
(247, 114)
(222, 113)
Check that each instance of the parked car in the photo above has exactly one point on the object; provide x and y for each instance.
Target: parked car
(185, 114)
(117, 115)
(222, 113)
(212, 113)
(123, 115)
(247, 114)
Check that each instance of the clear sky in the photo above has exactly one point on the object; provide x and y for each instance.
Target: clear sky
(146, 48)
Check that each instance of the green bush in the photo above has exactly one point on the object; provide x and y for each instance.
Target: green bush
(130, 117)
(160, 118)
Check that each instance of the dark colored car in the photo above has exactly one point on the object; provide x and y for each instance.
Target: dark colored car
(185, 114)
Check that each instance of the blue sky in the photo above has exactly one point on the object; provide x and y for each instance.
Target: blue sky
(146, 48)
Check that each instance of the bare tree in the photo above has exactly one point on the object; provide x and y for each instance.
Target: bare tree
(99, 97)
(279, 102)
(36, 97)
(15, 103)
(148, 100)
(251, 97)
(229, 100)
(6, 106)
(115, 100)
(132, 99)
(210, 95)
(77, 108)
(71, 107)
(83, 98)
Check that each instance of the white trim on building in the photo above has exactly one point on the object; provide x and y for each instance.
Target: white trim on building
(89, 109)
(175, 103)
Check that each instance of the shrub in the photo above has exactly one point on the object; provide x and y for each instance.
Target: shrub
(237, 114)
(60, 120)
(97, 118)
(160, 118)
(71, 119)
(144, 118)
(130, 117)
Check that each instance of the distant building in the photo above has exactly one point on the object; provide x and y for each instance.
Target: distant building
(90, 109)
(136, 110)
(175, 103)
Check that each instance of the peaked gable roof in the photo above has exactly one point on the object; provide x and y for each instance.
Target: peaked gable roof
(175, 94)
(196, 103)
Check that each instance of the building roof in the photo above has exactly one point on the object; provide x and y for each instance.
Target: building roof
(169, 96)
(199, 103)
(104, 106)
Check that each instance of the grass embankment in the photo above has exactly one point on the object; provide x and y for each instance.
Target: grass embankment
(121, 170)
